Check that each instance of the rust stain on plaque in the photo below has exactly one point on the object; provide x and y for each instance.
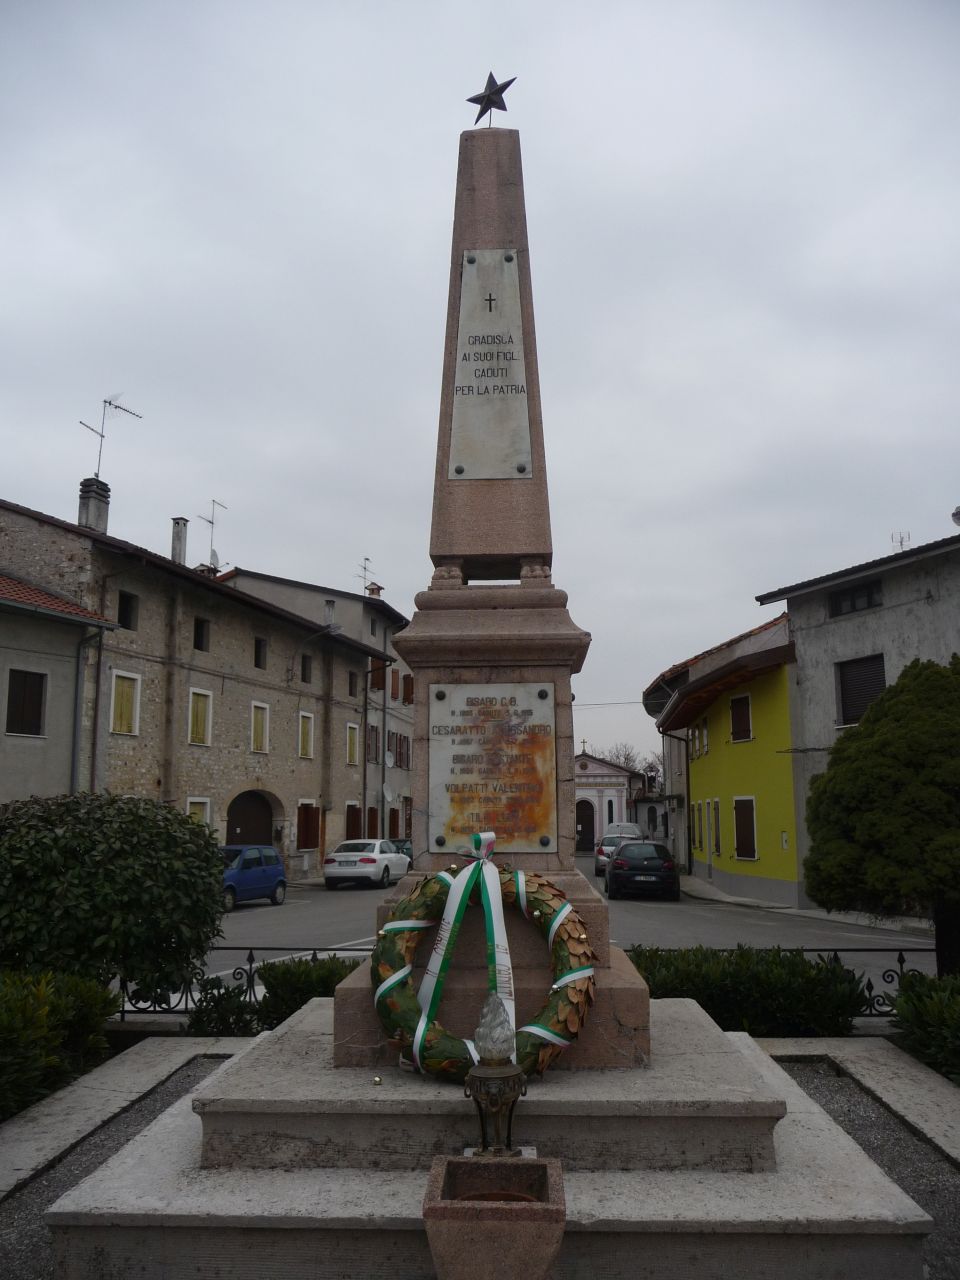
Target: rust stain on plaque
(503, 779)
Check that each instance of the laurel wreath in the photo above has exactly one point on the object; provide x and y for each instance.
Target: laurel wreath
(555, 1027)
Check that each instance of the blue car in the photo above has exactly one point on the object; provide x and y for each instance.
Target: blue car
(252, 871)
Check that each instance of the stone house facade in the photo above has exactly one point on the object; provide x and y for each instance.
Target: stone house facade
(240, 712)
(383, 805)
(608, 793)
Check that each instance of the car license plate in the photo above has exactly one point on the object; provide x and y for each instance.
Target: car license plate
(347, 862)
(645, 878)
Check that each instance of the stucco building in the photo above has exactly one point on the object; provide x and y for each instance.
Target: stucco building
(749, 723)
(608, 793)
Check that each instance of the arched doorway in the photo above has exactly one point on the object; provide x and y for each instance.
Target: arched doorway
(586, 827)
(250, 819)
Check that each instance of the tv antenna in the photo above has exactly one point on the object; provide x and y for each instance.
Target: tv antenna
(111, 402)
(211, 520)
(364, 572)
(900, 540)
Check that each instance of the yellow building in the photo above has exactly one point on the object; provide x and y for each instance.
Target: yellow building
(730, 710)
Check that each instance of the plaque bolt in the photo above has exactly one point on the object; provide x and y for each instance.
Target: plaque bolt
(544, 840)
(440, 841)
(521, 467)
(508, 257)
(440, 695)
(542, 694)
(471, 260)
(458, 469)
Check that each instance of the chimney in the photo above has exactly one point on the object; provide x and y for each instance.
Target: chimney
(94, 504)
(178, 546)
(373, 590)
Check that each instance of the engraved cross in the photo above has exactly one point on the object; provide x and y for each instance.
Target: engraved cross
(490, 300)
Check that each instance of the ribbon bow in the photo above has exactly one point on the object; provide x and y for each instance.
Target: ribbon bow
(499, 970)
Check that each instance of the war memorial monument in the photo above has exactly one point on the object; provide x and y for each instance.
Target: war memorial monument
(650, 1143)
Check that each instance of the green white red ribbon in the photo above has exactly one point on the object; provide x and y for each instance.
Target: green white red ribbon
(499, 971)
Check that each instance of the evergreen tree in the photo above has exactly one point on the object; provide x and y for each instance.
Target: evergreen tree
(884, 819)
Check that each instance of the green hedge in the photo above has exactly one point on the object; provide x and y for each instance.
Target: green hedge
(765, 991)
(287, 984)
(927, 1015)
(51, 1030)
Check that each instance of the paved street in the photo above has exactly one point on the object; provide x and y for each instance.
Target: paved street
(315, 918)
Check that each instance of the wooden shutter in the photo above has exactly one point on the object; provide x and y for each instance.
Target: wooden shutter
(716, 826)
(352, 830)
(259, 729)
(740, 730)
(743, 827)
(124, 693)
(393, 830)
(378, 669)
(394, 683)
(373, 818)
(407, 690)
(198, 719)
(306, 736)
(858, 684)
(308, 826)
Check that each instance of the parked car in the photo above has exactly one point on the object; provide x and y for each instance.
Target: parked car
(252, 871)
(364, 862)
(604, 849)
(640, 866)
(623, 829)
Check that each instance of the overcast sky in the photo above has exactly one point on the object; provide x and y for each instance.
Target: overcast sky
(744, 225)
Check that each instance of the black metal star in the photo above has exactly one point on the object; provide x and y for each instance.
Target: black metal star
(491, 98)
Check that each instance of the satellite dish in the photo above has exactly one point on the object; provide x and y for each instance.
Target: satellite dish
(388, 758)
(214, 559)
(388, 793)
(955, 515)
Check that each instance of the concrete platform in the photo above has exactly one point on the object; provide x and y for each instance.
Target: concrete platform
(825, 1213)
(701, 1104)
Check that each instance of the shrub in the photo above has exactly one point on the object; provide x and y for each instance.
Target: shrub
(765, 991)
(107, 886)
(51, 1030)
(927, 1014)
(289, 984)
(222, 1011)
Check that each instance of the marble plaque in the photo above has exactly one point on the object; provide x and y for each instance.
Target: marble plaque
(493, 766)
(490, 431)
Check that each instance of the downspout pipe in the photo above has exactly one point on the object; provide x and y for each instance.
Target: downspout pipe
(78, 707)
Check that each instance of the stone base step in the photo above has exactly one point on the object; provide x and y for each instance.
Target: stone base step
(700, 1104)
(825, 1213)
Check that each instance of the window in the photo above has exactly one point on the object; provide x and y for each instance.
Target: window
(128, 610)
(373, 822)
(378, 670)
(373, 626)
(704, 737)
(306, 736)
(859, 683)
(201, 704)
(744, 828)
(716, 827)
(693, 827)
(740, 727)
(373, 744)
(403, 751)
(26, 702)
(353, 744)
(125, 703)
(201, 634)
(306, 668)
(308, 825)
(328, 610)
(391, 747)
(866, 595)
(352, 827)
(259, 727)
(609, 811)
(407, 690)
(198, 808)
(352, 683)
(393, 824)
(700, 824)
(394, 683)
(260, 652)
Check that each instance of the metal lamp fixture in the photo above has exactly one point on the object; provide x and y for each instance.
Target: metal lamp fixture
(495, 1083)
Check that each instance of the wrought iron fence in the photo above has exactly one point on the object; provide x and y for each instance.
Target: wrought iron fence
(880, 1000)
(134, 999)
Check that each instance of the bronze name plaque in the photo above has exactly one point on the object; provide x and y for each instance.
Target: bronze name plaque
(493, 766)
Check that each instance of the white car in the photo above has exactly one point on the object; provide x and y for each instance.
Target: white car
(364, 862)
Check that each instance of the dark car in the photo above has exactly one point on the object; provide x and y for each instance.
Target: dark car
(252, 871)
(405, 847)
(639, 866)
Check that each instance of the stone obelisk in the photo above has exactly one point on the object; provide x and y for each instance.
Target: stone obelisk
(491, 644)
